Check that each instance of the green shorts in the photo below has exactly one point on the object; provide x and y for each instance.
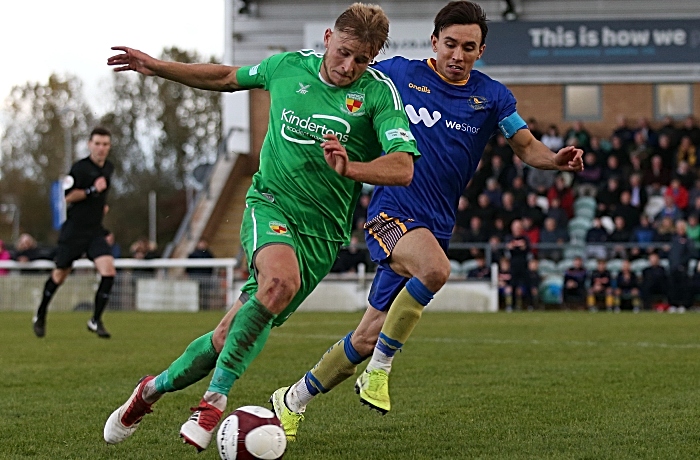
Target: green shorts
(265, 224)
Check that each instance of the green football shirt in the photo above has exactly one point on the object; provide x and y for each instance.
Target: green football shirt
(367, 117)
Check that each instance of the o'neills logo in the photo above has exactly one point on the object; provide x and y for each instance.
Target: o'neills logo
(423, 89)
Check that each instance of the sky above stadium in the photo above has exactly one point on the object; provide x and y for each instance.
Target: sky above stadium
(41, 37)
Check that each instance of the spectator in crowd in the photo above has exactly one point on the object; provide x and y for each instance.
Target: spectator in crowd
(564, 193)
(4, 255)
(534, 128)
(693, 229)
(641, 148)
(612, 168)
(533, 210)
(540, 180)
(517, 169)
(587, 180)
(628, 212)
(476, 233)
(482, 271)
(626, 288)
(530, 292)
(519, 190)
(505, 284)
(682, 250)
(350, 257)
(463, 215)
(600, 289)
(497, 170)
(666, 151)
(638, 193)
(493, 191)
(694, 191)
(668, 129)
(580, 134)
(694, 206)
(694, 285)
(619, 149)
(623, 132)
(557, 213)
(27, 249)
(360, 213)
(531, 232)
(596, 237)
(552, 235)
(634, 167)
(664, 235)
(574, 290)
(502, 149)
(597, 147)
(201, 251)
(687, 151)
(508, 211)
(621, 235)
(116, 249)
(484, 209)
(654, 282)
(552, 138)
(203, 275)
(519, 250)
(670, 210)
(685, 174)
(647, 131)
(691, 130)
(609, 196)
(678, 194)
(644, 233)
(656, 177)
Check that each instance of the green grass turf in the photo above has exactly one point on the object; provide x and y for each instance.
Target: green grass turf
(487, 386)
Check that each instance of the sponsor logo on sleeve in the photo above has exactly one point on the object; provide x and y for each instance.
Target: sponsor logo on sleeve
(399, 133)
(253, 70)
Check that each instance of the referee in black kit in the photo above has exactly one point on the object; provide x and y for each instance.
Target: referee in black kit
(86, 189)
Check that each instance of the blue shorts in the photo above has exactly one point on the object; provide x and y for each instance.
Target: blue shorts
(381, 235)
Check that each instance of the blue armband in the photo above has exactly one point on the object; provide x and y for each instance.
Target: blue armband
(511, 125)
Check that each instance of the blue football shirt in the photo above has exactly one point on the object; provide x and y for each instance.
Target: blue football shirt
(452, 124)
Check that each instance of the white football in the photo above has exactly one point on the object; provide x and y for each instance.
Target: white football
(250, 433)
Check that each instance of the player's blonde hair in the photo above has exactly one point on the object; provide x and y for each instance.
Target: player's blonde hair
(367, 23)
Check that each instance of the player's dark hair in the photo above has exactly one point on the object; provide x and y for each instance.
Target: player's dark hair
(367, 23)
(461, 12)
(100, 131)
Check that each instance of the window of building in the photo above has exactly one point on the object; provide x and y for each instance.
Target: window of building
(673, 100)
(582, 102)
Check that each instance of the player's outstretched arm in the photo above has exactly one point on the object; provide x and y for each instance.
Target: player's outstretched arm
(395, 168)
(538, 155)
(213, 77)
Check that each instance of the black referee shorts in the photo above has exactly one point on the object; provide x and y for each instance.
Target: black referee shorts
(72, 248)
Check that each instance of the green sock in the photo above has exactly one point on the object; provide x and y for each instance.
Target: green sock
(192, 366)
(246, 337)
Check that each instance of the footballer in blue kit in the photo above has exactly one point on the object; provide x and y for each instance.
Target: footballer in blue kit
(453, 111)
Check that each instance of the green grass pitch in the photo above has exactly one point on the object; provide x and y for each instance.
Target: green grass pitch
(550, 385)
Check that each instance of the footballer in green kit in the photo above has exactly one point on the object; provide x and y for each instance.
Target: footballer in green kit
(330, 120)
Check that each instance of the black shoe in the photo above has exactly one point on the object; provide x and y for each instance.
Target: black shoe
(98, 328)
(39, 326)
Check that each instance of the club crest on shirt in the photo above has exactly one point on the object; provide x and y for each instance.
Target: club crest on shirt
(477, 102)
(278, 228)
(354, 103)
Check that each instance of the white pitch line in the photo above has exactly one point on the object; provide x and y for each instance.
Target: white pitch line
(588, 343)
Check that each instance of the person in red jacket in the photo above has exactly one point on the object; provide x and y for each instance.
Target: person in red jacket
(678, 193)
